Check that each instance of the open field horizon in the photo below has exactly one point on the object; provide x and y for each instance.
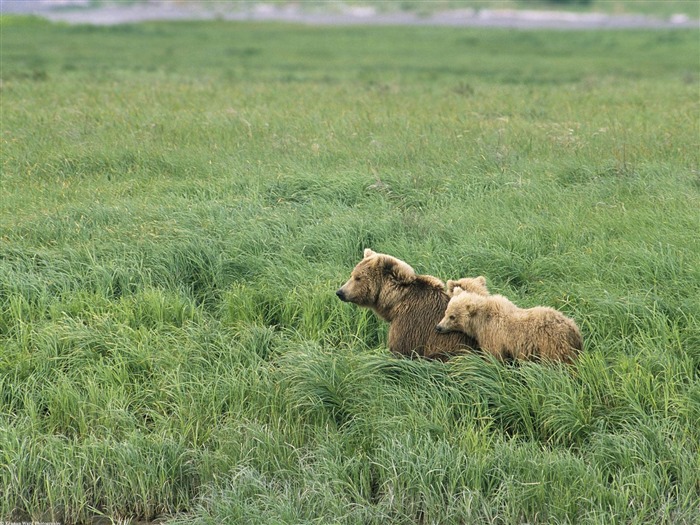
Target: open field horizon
(179, 202)
(522, 14)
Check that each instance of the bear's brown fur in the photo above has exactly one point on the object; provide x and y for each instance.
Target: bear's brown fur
(469, 284)
(411, 303)
(508, 332)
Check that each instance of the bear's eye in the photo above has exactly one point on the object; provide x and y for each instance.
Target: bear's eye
(452, 318)
(357, 278)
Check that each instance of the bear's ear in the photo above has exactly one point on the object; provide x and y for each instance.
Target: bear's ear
(450, 287)
(481, 280)
(456, 291)
(369, 253)
(399, 270)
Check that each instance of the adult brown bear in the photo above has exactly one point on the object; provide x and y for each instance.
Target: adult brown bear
(412, 304)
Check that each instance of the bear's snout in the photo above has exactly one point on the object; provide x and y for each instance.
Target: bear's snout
(440, 329)
(341, 294)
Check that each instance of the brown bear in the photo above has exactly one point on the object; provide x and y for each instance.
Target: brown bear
(469, 284)
(508, 332)
(411, 303)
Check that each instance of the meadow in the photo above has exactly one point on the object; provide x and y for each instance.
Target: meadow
(180, 201)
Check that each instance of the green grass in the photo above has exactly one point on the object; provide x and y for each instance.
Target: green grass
(179, 202)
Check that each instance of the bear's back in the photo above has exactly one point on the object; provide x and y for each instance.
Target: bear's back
(412, 331)
(557, 337)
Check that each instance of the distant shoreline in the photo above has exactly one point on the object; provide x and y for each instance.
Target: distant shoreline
(73, 13)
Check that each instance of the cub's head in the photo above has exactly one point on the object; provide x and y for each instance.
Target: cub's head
(475, 285)
(371, 276)
(460, 312)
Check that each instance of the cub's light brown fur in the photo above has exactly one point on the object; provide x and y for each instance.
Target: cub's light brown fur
(411, 303)
(469, 284)
(508, 332)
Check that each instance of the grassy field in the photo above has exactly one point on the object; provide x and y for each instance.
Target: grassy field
(179, 203)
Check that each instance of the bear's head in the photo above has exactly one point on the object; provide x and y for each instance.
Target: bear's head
(461, 311)
(374, 278)
(475, 285)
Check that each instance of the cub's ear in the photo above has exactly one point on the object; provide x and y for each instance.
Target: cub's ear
(456, 291)
(400, 271)
(369, 253)
(481, 280)
(450, 286)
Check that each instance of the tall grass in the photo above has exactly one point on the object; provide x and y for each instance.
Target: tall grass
(179, 203)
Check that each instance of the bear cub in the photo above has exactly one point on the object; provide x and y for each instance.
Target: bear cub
(412, 304)
(509, 332)
(469, 284)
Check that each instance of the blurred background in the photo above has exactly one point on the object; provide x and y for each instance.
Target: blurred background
(509, 13)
